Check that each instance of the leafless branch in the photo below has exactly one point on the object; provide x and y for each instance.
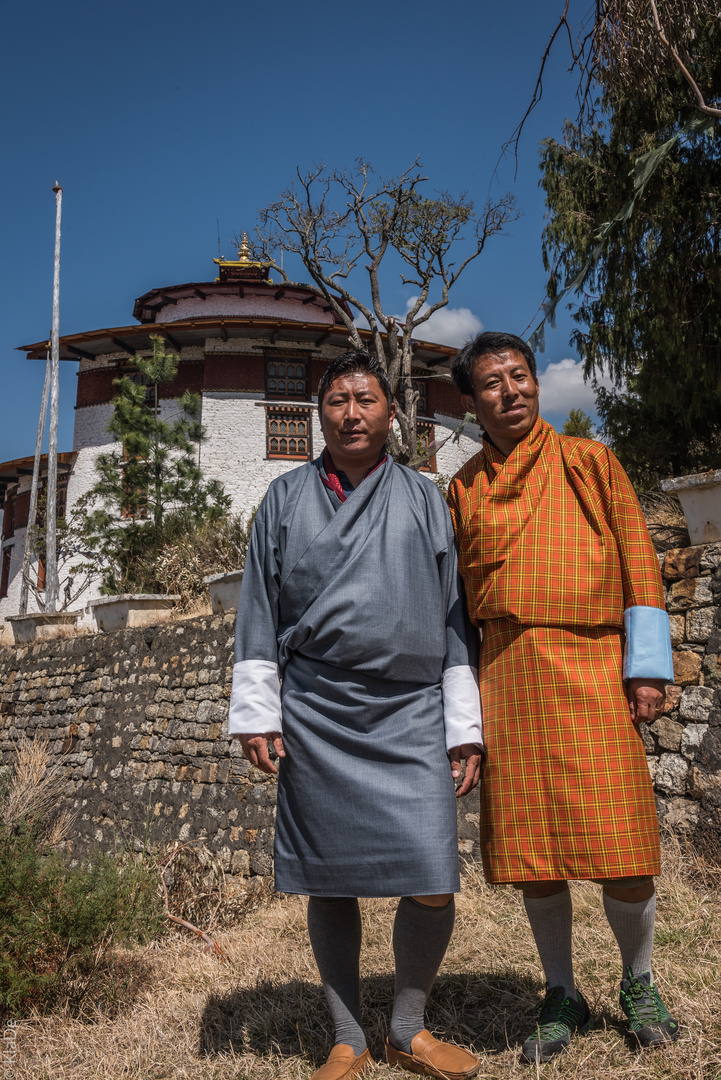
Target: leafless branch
(212, 945)
(538, 88)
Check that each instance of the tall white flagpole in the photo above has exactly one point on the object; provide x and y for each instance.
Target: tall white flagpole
(51, 570)
(32, 512)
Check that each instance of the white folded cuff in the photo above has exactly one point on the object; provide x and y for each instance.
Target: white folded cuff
(462, 707)
(255, 698)
(648, 653)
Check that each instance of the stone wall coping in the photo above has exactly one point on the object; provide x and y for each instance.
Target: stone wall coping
(44, 617)
(693, 480)
(133, 597)
(230, 575)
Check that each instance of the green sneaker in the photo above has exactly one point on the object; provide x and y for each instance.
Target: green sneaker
(649, 1021)
(559, 1017)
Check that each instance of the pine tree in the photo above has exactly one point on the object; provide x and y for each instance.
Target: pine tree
(152, 485)
(579, 425)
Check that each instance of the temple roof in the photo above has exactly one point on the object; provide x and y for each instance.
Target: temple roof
(12, 471)
(245, 267)
(241, 303)
(131, 339)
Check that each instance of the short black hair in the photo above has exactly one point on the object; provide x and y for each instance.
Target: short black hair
(355, 362)
(490, 341)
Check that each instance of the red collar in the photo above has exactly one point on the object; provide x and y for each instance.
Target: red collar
(332, 479)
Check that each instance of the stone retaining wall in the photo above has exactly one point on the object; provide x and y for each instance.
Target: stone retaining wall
(137, 719)
(684, 745)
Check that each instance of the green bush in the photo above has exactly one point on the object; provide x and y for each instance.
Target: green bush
(59, 925)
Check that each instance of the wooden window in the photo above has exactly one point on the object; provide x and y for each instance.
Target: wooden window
(5, 577)
(142, 380)
(8, 517)
(288, 433)
(62, 495)
(41, 574)
(285, 378)
(425, 434)
(421, 386)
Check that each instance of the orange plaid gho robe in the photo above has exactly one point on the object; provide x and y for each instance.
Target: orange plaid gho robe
(553, 548)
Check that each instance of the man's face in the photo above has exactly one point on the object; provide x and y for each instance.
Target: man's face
(505, 397)
(355, 420)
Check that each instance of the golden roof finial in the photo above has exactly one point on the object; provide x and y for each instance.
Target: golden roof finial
(244, 252)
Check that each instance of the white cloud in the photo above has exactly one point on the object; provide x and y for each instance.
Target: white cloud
(447, 326)
(563, 388)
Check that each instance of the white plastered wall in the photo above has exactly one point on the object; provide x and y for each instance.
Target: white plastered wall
(234, 448)
(452, 456)
(10, 604)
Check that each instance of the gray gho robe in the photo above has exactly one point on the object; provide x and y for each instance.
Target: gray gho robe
(357, 607)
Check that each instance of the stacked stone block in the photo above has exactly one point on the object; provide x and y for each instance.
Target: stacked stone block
(138, 721)
(684, 744)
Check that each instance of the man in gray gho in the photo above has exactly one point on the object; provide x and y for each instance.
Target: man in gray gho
(351, 596)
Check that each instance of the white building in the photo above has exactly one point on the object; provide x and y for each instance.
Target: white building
(254, 350)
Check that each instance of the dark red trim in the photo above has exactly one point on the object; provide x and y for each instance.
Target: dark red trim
(332, 480)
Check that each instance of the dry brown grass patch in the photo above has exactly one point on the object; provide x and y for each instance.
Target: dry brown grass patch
(263, 1015)
(33, 793)
(665, 520)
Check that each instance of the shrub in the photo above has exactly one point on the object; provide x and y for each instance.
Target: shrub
(60, 925)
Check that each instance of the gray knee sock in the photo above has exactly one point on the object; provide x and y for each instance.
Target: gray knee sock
(632, 926)
(551, 919)
(420, 939)
(334, 925)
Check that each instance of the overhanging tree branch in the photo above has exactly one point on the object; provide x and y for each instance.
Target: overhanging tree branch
(700, 100)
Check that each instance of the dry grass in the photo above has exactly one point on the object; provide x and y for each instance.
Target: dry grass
(34, 792)
(262, 1014)
(665, 520)
(209, 548)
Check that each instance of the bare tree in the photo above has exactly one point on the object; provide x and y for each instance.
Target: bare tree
(339, 222)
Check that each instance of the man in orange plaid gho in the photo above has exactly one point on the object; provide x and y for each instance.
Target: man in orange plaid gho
(561, 575)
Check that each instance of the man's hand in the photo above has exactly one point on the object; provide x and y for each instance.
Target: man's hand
(255, 748)
(645, 699)
(473, 756)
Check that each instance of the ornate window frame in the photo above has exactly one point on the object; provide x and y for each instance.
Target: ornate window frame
(288, 432)
(425, 433)
(287, 377)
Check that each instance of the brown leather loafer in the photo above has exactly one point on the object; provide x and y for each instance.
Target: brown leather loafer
(431, 1057)
(342, 1064)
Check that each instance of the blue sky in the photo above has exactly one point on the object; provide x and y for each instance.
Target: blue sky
(159, 117)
